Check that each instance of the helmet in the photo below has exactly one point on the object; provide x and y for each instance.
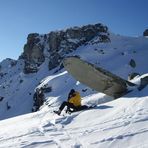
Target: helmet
(72, 91)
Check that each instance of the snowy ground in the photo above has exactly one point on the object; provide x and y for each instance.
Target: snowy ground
(120, 123)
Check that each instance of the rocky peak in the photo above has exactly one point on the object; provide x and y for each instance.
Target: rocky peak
(59, 43)
(33, 53)
(76, 36)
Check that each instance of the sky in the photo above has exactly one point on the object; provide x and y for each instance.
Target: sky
(18, 18)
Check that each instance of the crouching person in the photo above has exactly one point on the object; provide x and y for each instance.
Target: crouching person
(73, 103)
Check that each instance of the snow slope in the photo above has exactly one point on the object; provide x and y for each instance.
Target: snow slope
(119, 123)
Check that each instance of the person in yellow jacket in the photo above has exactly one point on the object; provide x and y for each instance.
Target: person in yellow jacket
(73, 102)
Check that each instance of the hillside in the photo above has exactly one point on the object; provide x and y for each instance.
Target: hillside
(119, 123)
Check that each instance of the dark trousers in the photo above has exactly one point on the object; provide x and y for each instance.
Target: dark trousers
(71, 106)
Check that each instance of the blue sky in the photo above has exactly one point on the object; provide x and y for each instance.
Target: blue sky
(18, 18)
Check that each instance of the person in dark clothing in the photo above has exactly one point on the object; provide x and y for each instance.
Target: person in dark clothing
(73, 103)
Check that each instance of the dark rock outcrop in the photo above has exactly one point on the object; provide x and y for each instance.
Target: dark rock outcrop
(133, 75)
(56, 45)
(33, 53)
(144, 83)
(145, 33)
(132, 63)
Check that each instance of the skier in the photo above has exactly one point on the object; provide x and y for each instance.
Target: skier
(38, 99)
(73, 103)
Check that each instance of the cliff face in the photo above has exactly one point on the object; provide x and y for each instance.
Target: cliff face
(55, 45)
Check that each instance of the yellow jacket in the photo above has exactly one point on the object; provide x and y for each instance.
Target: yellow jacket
(75, 99)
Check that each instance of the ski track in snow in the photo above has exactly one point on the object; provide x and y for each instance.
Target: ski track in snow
(56, 127)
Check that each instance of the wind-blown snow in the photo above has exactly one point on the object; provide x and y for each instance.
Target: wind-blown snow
(119, 123)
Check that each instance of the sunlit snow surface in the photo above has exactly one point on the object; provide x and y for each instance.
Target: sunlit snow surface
(119, 123)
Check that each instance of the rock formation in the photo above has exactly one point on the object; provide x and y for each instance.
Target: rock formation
(55, 45)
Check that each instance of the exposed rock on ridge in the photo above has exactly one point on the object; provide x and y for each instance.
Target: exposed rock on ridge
(56, 45)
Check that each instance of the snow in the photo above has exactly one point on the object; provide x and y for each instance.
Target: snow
(113, 123)
(123, 122)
